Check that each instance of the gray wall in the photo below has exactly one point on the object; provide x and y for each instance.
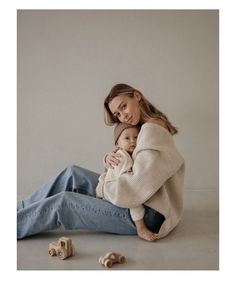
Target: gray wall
(69, 60)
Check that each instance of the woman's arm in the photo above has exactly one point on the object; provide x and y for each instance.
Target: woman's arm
(112, 159)
(124, 166)
(149, 173)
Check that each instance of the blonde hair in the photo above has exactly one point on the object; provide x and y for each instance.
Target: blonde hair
(147, 109)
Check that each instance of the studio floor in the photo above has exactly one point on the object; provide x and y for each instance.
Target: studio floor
(193, 245)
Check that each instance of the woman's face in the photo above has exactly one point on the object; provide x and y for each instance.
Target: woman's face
(126, 108)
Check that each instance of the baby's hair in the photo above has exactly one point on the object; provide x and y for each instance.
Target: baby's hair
(120, 127)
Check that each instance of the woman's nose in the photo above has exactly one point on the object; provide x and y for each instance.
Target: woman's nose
(124, 116)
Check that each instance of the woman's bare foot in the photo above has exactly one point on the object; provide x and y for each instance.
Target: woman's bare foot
(147, 235)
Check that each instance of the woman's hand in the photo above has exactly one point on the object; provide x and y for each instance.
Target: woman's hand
(112, 159)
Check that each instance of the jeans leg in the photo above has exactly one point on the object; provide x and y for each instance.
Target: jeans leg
(72, 210)
(73, 178)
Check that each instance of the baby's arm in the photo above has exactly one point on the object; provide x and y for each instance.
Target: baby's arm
(99, 187)
(112, 175)
(137, 213)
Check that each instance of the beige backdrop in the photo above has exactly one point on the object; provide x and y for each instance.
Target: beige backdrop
(69, 60)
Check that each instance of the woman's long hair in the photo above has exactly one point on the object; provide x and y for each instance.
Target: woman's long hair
(148, 110)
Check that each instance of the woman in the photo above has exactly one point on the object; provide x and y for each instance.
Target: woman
(69, 199)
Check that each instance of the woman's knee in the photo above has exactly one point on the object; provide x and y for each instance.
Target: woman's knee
(72, 168)
(74, 172)
(63, 198)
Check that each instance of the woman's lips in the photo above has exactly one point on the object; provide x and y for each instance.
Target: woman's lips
(129, 121)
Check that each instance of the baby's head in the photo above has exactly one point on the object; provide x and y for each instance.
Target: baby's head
(125, 136)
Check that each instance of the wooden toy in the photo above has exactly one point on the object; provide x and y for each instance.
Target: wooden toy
(109, 258)
(62, 249)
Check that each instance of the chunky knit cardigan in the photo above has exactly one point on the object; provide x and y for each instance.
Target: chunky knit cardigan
(157, 180)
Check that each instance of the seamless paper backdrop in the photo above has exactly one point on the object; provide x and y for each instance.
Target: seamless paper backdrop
(67, 61)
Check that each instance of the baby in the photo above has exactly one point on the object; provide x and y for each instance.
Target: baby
(125, 137)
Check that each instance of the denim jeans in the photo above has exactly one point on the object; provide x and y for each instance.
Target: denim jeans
(69, 201)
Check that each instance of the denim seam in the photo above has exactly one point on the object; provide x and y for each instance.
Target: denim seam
(36, 213)
(97, 211)
(70, 205)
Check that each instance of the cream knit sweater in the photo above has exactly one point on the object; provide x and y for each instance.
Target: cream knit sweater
(157, 179)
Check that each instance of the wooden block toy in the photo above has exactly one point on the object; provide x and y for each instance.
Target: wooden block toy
(62, 249)
(110, 258)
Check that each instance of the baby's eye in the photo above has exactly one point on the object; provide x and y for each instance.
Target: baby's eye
(123, 106)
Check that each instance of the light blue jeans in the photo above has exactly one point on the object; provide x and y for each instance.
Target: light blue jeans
(69, 201)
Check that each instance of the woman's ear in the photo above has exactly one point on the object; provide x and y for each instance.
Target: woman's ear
(137, 95)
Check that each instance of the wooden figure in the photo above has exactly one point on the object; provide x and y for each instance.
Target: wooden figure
(109, 258)
(63, 248)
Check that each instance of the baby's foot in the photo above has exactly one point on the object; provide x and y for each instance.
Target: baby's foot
(147, 235)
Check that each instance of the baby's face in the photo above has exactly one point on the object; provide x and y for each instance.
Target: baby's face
(127, 139)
